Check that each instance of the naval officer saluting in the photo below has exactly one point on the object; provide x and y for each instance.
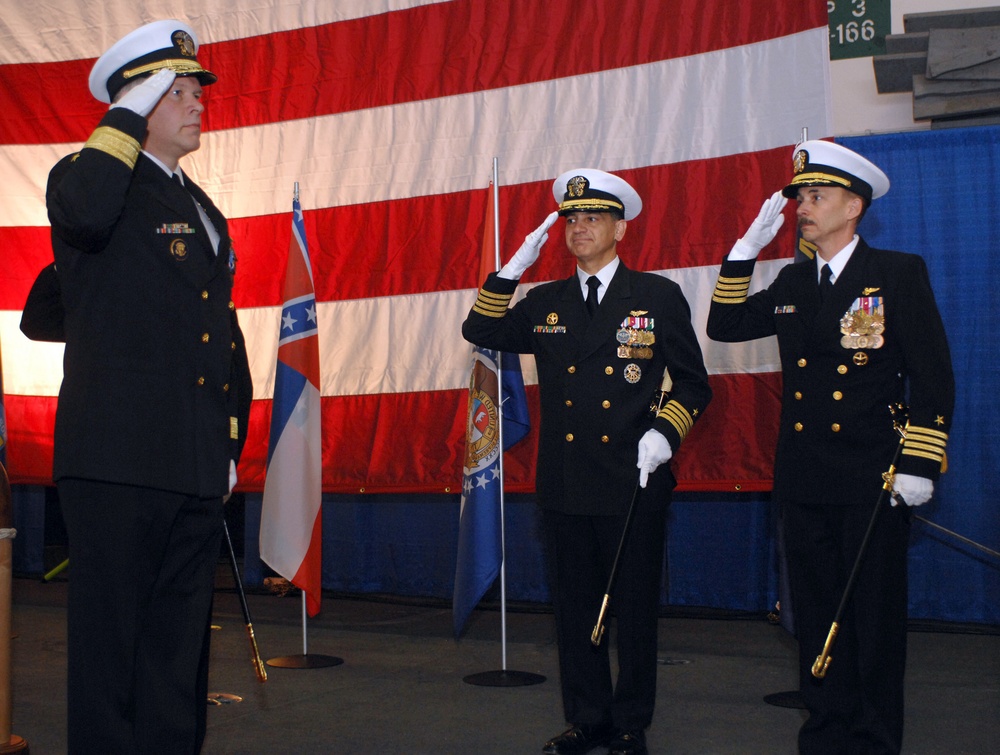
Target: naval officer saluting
(155, 381)
(858, 330)
(601, 339)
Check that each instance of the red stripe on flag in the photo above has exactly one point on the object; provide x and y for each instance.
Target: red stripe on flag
(26, 251)
(30, 423)
(365, 449)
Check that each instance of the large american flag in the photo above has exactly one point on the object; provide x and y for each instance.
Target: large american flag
(389, 113)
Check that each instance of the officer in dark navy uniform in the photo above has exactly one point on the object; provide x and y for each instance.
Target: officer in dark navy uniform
(858, 330)
(599, 364)
(155, 382)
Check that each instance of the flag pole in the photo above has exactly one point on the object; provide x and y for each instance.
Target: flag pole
(503, 542)
(503, 677)
(305, 660)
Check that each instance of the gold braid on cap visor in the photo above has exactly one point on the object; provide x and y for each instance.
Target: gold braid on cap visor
(805, 178)
(577, 205)
(180, 66)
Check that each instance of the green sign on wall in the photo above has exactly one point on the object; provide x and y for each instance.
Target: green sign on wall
(858, 27)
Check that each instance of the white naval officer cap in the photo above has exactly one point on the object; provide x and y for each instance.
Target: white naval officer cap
(161, 44)
(819, 163)
(590, 190)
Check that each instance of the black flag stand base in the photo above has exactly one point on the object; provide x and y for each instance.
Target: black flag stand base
(504, 679)
(307, 660)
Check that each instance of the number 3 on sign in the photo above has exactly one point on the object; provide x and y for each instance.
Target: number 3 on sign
(859, 7)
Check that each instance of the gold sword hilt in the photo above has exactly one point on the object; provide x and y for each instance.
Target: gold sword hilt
(823, 659)
(258, 664)
(662, 394)
(598, 633)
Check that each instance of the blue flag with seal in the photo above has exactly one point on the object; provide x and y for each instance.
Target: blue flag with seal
(480, 552)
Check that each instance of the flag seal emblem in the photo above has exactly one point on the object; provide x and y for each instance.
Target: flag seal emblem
(484, 420)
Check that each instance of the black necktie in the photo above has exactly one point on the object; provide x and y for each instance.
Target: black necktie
(825, 286)
(592, 283)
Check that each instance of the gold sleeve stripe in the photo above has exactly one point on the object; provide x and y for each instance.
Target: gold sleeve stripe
(928, 434)
(677, 416)
(731, 290)
(939, 458)
(926, 443)
(115, 143)
(492, 305)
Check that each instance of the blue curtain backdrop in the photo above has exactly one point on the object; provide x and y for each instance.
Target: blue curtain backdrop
(944, 205)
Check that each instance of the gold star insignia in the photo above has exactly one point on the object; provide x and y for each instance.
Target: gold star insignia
(939, 420)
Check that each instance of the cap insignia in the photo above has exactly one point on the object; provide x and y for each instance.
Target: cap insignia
(799, 161)
(182, 40)
(576, 186)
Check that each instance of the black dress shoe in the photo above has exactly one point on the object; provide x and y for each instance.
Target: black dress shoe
(628, 743)
(577, 740)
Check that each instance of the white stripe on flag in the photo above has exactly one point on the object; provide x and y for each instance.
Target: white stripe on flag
(407, 343)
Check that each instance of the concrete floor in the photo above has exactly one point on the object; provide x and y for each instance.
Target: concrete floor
(401, 689)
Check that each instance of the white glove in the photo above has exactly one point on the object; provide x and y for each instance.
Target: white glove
(654, 450)
(142, 98)
(762, 231)
(525, 256)
(232, 480)
(912, 490)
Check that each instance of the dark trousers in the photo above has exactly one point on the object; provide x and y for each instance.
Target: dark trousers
(858, 707)
(142, 566)
(581, 551)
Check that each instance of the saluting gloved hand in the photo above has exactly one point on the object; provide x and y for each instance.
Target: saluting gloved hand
(654, 450)
(911, 490)
(762, 231)
(525, 256)
(143, 97)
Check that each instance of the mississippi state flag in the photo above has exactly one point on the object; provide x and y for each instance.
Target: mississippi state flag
(291, 521)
